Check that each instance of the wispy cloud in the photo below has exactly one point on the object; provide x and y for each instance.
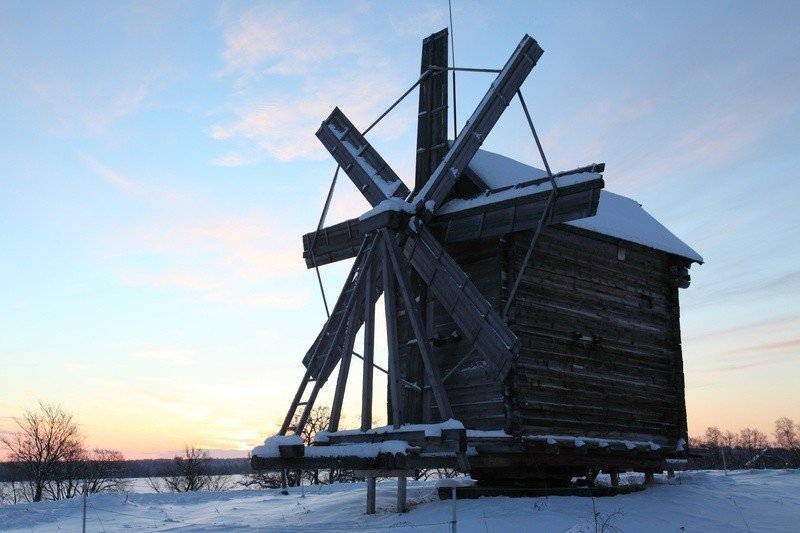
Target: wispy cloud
(185, 242)
(757, 328)
(93, 107)
(235, 260)
(111, 176)
(291, 66)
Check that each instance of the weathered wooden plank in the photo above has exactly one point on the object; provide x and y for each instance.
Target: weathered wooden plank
(481, 122)
(395, 388)
(360, 161)
(432, 117)
(369, 348)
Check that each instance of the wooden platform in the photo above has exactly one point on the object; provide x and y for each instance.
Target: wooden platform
(491, 457)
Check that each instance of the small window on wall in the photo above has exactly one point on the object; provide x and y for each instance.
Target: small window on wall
(621, 251)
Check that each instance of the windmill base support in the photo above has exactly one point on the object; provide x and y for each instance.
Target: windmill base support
(371, 477)
(371, 493)
(402, 492)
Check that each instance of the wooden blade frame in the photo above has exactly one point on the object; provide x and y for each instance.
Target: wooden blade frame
(360, 161)
(495, 216)
(483, 119)
(480, 325)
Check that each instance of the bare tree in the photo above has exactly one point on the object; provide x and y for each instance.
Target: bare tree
(318, 420)
(67, 478)
(261, 480)
(751, 439)
(189, 473)
(787, 436)
(46, 437)
(104, 472)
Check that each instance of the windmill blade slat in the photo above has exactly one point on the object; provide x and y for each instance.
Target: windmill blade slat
(480, 325)
(516, 209)
(499, 213)
(486, 115)
(360, 161)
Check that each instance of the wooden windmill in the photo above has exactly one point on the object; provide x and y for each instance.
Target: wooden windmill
(467, 319)
(396, 236)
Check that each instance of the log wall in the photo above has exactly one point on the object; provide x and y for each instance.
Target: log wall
(598, 321)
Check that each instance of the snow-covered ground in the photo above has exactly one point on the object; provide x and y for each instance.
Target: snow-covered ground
(695, 501)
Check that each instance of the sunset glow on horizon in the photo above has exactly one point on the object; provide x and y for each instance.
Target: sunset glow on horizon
(159, 167)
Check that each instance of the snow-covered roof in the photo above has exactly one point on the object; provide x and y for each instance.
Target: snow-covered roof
(623, 218)
(617, 216)
(498, 171)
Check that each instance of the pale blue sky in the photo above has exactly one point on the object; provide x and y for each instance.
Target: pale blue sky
(158, 166)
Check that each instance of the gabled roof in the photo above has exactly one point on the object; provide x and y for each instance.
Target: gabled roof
(617, 216)
(498, 171)
(623, 218)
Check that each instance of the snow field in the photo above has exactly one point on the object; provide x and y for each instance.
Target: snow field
(694, 501)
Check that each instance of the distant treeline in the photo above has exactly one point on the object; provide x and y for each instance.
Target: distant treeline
(749, 448)
(142, 468)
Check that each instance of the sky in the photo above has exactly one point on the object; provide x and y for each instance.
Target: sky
(158, 166)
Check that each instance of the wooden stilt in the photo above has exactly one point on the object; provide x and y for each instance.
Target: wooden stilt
(615, 479)
(649, 477)
(284, 484)
(431, 372)
(369, 350)
(371, 494)
(670, 474)
(395, 384)
(402, 490)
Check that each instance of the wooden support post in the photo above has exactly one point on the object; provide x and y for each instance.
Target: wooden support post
(614, 478)
(454, 517)
(402, 489)
(431, 372)
(671, 474)
(371, 493)
(426, 390)
(649, 477)
(344, 370)
(395, 384)
(369, 350)
(284, 484)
